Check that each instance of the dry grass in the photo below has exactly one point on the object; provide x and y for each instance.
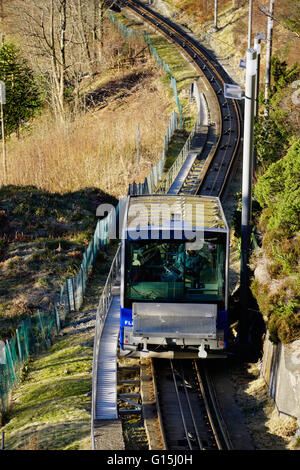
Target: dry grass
(97, 148)
(32, 443)
(269, 430)
(96, 145)
(51, 407)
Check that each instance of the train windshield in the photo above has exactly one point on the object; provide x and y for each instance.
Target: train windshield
(176, 271)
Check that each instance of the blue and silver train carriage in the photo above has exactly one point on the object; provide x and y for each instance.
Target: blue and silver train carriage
(174, 277)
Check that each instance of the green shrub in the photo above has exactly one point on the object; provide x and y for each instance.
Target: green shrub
(275, 133)
(278, 193)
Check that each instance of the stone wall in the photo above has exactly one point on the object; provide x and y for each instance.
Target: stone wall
(281, 370)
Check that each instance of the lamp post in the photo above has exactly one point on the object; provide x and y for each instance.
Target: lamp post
(248, 147)
(250, 89)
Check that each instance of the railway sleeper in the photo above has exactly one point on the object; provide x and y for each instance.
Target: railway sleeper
(125, 397)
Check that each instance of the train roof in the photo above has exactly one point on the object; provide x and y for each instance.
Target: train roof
(203, 212)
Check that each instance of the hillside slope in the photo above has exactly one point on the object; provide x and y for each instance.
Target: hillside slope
(276, 189)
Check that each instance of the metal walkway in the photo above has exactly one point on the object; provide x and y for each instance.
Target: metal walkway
(183, 173)
(187, 180)
(106, 390)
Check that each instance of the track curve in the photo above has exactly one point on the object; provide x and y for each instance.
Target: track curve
(184, 391)
(217, 167)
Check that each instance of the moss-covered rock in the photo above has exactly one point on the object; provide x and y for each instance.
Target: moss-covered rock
(277, 286)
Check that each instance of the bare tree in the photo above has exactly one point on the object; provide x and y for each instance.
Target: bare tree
(101, 8)
(60, 36)
(65, 40)
(43, 27)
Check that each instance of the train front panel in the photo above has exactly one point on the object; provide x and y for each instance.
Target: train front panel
(174, 295)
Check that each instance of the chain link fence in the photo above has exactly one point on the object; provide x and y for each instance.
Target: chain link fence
(156, 173)
(37, 331)
(34, 335)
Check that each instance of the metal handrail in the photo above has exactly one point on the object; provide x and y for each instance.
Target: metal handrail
(101, 314)
(173, 171)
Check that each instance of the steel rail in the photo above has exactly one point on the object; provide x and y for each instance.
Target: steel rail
(202, 424)
(180, 406)
(210, 75)
(229, 168)
(158, 408)
(170, 31)
(208, 408)
(191, 411)
(216, 409)
(220, 434)
(228, 116)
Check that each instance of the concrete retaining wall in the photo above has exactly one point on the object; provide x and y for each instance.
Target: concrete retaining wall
(281, 371)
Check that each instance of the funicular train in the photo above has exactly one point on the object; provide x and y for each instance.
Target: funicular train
(174, 277)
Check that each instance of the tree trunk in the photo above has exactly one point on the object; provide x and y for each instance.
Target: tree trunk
(55, 85)
(62, 65)
(101, 30)
(85, 39)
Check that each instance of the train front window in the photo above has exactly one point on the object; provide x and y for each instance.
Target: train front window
(175, 271)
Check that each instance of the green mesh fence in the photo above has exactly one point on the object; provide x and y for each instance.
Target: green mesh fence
(33, 336)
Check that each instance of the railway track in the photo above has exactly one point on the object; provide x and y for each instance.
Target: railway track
(211, 170)
(187, 407)
(188, 412)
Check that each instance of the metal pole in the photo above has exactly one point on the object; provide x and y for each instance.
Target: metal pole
(138, 145)
(4, 145)
(19, 346)
(257, 47)
(269, 54)
(251, 57)
(250, 24)
(216, 15)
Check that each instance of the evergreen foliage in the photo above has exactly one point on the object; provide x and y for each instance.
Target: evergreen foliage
(279, 188)
(23, 97)
(277, 191)
(275, 134)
